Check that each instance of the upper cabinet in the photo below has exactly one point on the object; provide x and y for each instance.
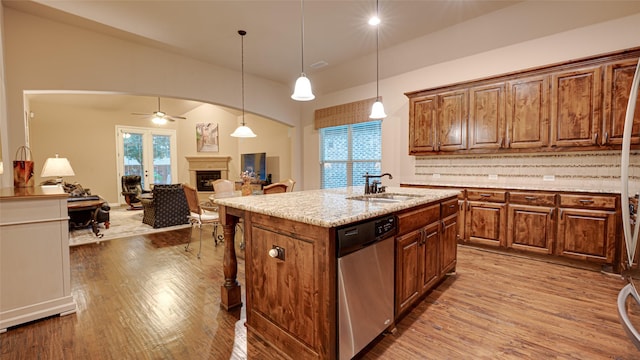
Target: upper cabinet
(439, 123)
(618, 77)
(577, 105)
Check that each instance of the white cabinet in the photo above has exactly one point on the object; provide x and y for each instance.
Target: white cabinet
(35, 280)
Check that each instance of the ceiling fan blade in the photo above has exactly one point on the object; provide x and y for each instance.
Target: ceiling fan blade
(171, 117)
(145, 114)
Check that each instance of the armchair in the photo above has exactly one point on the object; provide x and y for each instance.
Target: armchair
(167, 207)
(131, 190)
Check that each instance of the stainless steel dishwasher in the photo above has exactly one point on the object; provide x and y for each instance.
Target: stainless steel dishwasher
(365, 282)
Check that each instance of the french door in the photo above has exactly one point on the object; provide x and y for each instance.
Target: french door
(148, 152)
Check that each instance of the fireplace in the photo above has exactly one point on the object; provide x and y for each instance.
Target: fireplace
(205, 179)
(204, 170)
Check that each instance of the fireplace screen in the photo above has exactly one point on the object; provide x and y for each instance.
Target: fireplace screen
(205, 179)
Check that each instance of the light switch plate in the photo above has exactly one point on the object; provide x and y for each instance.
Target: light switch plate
(548, 178)
(493, 177)
(436, 176)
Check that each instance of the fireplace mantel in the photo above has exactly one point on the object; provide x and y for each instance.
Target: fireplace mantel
(207, 163)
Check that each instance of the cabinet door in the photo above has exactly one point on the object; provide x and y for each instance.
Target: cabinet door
(452, 121)
(617, 86)
(448, 244)
(409, 251)
(530, 228)
(576, 107)
(429, 266)
(527, 113)
(283, 290)
(487, 117)
(587, 234)
(422, 124)
(486, 223)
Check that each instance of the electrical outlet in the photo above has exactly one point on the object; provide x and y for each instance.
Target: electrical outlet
(493, 177)
(548, 178)
(436, 176)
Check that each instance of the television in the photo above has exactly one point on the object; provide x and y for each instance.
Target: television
(256, 163)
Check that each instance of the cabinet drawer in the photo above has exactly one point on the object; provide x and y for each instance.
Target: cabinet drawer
(414, 219)
(588, 201)
(449, 208)
(486, 195)
(540, 199)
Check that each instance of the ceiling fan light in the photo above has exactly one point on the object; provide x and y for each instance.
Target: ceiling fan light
(160, 114)
(243, 131)
(377, 111)
(159, 120)
(302, 91)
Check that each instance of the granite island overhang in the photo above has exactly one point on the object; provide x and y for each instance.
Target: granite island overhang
(292, 304)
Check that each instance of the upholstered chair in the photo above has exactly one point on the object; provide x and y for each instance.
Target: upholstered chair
(168, 207)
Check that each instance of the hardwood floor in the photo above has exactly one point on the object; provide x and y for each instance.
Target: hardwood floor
(146, 298)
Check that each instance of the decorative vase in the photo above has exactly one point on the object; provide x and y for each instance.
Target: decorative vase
(246, 188)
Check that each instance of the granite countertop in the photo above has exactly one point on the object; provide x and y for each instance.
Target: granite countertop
(608, 187)
(331, 207)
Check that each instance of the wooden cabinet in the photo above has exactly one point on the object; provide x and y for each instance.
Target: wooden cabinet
(438, 123)
(425, 250)
(527, 114)
(571, 225)
(422, 118)
(486, 217)
(587, 227)
(576, 107)
(531, 222)
(618, 77)
(448, 236)
(487, 116)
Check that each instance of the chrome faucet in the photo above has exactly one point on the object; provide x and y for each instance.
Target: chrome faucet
(373, 187)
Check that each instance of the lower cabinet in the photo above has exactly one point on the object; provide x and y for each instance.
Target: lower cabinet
(531, 222)
(573, 225)
(426, 250)
(486, 217)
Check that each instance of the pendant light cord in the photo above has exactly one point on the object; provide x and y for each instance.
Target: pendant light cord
(377, 54)
(242, 34)
(302, 34)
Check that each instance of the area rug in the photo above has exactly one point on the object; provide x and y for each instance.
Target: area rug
(123, 223)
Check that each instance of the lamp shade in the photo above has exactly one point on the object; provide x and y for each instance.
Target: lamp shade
(243, 132)
(1, 168)
(302, 91)
(57, 167)
(377, 111)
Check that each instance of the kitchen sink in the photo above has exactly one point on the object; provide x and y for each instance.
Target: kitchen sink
(385, 197)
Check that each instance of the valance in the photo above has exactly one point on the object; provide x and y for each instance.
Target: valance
(345, 114)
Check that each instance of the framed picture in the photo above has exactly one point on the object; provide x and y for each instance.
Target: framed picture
(207, 137)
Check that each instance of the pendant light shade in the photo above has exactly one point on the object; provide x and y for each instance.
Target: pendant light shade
(377, 110)
(302, 91)
(243, 131)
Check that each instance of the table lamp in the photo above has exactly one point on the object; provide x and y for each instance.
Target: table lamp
(57, 167)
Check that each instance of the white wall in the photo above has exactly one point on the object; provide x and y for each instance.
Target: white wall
(585, 41)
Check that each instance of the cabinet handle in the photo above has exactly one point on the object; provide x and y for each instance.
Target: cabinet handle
(451, 206)
(485, 195)
(561, 214)
(606, 137)
(468, 206)
(595, 138)
(461, 206)
(501, 142)
(586, 201)
(551, 212)
(443, 226)
(531, 198)
(508, 142)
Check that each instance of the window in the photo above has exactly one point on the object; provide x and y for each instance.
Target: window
(349, 151)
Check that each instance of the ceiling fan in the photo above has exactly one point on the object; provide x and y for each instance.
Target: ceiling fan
(160, 117)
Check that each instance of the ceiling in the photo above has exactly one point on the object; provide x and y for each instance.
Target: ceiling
(336, 32)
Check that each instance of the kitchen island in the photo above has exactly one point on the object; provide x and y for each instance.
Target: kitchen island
(291, 258)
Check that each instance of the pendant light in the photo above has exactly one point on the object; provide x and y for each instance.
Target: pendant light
(243, 131)
(377, 110)
(302, 91)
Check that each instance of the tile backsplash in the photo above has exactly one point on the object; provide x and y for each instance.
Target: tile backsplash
(598, 170)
